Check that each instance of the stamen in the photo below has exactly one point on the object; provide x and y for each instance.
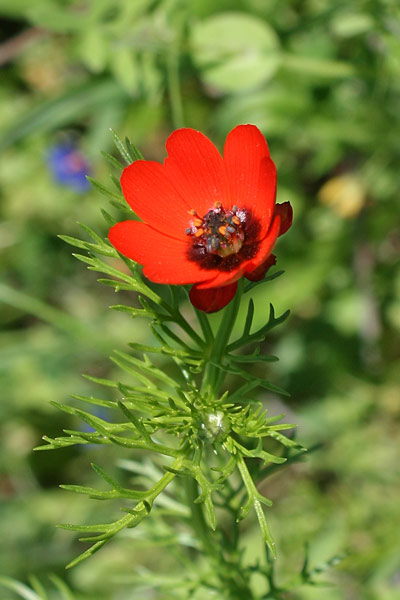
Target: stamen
(219, 231)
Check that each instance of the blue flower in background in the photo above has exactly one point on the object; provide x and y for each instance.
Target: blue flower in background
(68, 166)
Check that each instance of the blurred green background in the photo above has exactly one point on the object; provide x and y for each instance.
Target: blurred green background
(321, 78)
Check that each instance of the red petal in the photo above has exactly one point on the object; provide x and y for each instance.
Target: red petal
(285, 212)
(260, 271)
(164, 258)
(266, 246)
(222, 278)
(251, 173)
(212, 299)
(196, 169)
(154, 198)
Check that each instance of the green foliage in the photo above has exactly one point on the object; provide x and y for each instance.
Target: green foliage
(328, 105)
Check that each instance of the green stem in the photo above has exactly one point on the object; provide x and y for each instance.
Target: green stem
(228, 571)
(212, 379)
(205, 326)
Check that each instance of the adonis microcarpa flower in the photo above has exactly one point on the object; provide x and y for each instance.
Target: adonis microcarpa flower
(207, 219)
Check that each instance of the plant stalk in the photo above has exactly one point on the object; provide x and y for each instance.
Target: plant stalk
(214, 355)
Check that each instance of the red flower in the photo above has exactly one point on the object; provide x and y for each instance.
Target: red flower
(207, 220)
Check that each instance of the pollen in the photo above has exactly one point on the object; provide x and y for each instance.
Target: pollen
(219, 232)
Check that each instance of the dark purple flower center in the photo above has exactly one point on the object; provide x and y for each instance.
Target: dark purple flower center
(222, 238)
(220, 231)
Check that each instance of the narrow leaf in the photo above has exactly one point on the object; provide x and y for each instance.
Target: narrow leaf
(249, 319)
(103, 190)
(121, 148)
(134, 153)
(266, 534)
(89, 552)
(114, 162)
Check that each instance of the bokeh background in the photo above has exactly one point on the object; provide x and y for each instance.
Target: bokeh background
(321, 78)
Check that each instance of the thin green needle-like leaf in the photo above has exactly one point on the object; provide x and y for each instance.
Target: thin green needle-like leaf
(250, 286)
(96, 401)
(260, 453)
(107, 478)
(121, 148)
(97, 528)
(249, 319)
(252, 358)
(260, 334)
(133, 312)
(256, 501)
(101, 381)
(95, 236)
(134, 153)
(104, 495)
(103, 190)
(89, 552)
(114, 162)
(266, 534)
(137, 422)
(109, 219)
(146, 366)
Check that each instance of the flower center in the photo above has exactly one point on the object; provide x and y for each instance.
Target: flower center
(220, 231)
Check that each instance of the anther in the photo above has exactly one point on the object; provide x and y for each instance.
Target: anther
(219, 231)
